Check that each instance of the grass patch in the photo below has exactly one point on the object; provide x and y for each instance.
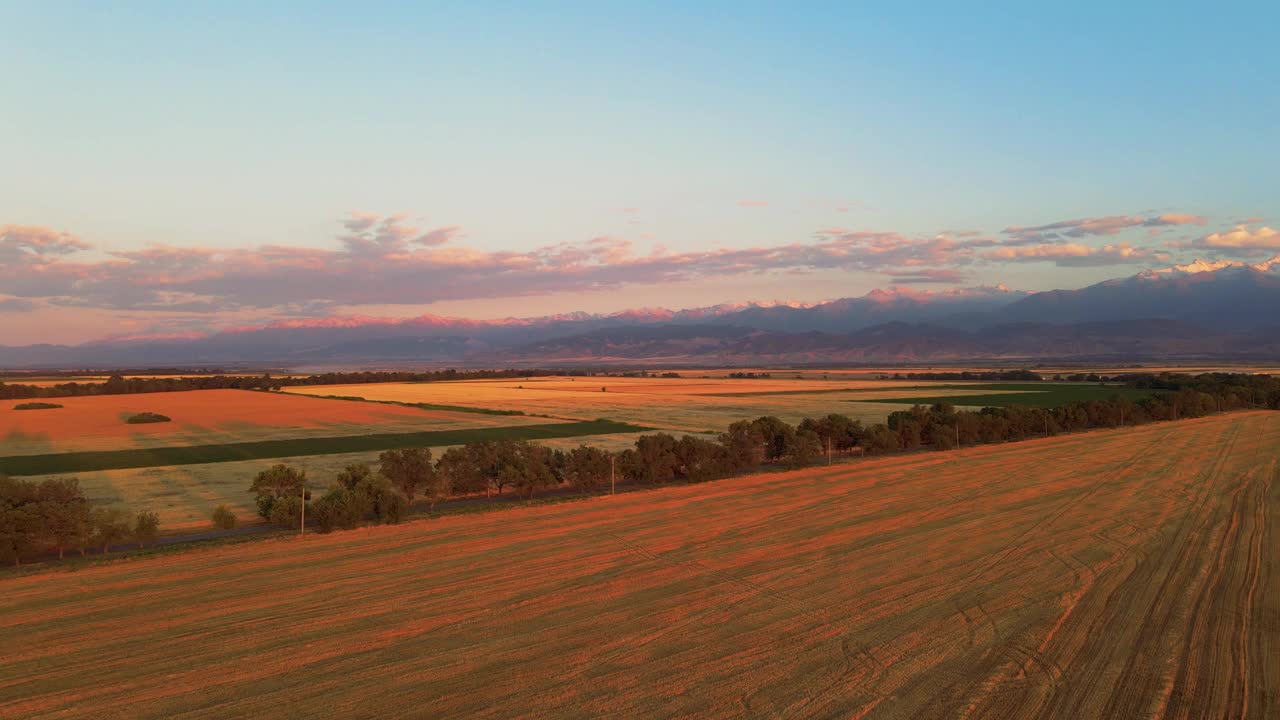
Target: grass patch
(1036, 395)
(265, 449)
(36, 406)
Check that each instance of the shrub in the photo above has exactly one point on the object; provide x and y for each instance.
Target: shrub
(147, 417)
(223, 518)
(36, 406)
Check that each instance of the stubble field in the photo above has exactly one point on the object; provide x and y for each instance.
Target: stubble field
(1129, 573)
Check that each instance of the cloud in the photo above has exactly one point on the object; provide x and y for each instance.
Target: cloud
(35, 245)
(375, 236)
(753, 203)
(1077, 255)
(439, 236)
(925, 276)
(1242, 238)
(389, 260)
(1094, 226)
(16, 305)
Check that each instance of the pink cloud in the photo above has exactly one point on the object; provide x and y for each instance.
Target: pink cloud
(926, 276)
(1095, 226)
(1077, 255)
(1242, 237)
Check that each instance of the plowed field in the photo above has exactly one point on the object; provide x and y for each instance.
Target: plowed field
(1120, 574)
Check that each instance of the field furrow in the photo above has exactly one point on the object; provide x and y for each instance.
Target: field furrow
(1127, 573)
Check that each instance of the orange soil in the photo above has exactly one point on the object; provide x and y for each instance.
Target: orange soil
(1129, 573)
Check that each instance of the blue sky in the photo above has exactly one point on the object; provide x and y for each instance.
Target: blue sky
(229, 127)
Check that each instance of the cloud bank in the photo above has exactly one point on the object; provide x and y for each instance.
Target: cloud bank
(379, 260)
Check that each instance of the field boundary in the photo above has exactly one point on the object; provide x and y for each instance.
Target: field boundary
(89, 461)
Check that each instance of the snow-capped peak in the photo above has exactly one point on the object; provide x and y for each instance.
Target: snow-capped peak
(1200, 265)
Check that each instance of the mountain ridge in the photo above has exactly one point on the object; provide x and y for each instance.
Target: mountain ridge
(1202, 309)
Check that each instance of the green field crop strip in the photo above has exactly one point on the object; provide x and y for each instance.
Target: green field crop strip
(231, 452)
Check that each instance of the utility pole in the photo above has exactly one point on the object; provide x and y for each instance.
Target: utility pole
(302, 526)
(613, 482)
(957, 435)
(828, 451)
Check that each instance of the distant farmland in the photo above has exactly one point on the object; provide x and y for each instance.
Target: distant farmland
(1004, 394)
(72, 462)
(687, 404)
(207, 417)
(1116, 574)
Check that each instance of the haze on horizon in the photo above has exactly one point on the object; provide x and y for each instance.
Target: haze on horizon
(172, 170)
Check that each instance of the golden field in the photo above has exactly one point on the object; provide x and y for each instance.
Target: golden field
(685, 404)
(1114, 574)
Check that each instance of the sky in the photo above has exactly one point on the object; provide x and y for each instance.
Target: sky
(173, 168)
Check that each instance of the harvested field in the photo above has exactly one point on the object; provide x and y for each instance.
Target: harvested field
(203, 417)
(69, 462)
(1117, 574)
(689, 405)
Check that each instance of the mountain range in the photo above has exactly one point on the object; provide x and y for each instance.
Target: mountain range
(1223, 310)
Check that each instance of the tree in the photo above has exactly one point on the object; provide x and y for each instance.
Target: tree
(410, 470)
(880, 439)
(18, 532)
(656, 459)
(146, 528)
(223, 518)
(586, 468)
(776, 436)
(63, 512)
(352, 475)
(337, 508)
(836, 433)
(701, 460)
(529, 468)
(803, 448)
(110, 526)
(459, 470)
(286, 511)
(745, 444)
(275, 483)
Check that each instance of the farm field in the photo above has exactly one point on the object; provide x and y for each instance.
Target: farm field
(1127, 573)
(185, 495)
(1039, 394)
(687, 405)
(69, 462)
(204, 417)
(874, 373)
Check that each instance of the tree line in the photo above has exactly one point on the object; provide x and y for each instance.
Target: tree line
(121, 385)
(54, 515)
(498, 468)
(972, 375)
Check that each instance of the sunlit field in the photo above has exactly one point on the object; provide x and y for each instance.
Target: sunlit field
(685, 404)
(1123, 573)
(213, 416)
